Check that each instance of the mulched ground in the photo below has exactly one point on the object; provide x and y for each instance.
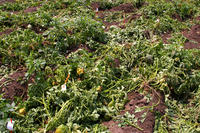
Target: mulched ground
(12, 87)
(139, 100)
(6, 32)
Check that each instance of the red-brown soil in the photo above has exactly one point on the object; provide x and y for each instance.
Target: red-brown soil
(177, 17)
(165, 37)
(120, 24)
(198, 18)
(6, 32)
(31, 9)
(95, 5)
(191, 45)
(139, 100)
(4, 1)
(81, 46)
(37, 28)
(11, 86)
(127, 8)
(192, 35)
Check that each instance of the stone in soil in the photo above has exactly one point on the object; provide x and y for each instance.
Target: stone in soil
(138, 100)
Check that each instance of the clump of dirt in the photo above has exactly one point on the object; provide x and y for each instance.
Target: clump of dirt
(95, 5)
(120, 24)
(198, 18)
(117, 62)
(108, 24)
(165, 37)
(137, 100)
(37, 28)
(191, 45)
(192, 35)
(127, 8)
(31, 9)
(6, 32)
(4, 1)
(177, 17)
(12, 87)
(132, 17)
(74, 49)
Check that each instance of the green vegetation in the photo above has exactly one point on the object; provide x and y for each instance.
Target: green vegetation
(52, 44)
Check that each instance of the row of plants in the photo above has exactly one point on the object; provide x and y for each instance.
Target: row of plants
(77, 91)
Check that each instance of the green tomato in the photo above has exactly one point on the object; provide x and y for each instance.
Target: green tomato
(61, 129)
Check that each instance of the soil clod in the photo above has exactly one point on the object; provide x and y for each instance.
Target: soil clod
(6, 32)
(192, 35)
(12, 87)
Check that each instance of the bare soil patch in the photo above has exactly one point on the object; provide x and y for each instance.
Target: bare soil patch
(132, 17)
(191, 45)
(165, 37)
(138, 100)
(127, 8)
(31, 9)
(12, 87)
(193, 35)
(81, 46)
(4, 1)
(177, 17)
(37, 28)
(95, 5)
(198, 18)
(6, 32)
(120, 24)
